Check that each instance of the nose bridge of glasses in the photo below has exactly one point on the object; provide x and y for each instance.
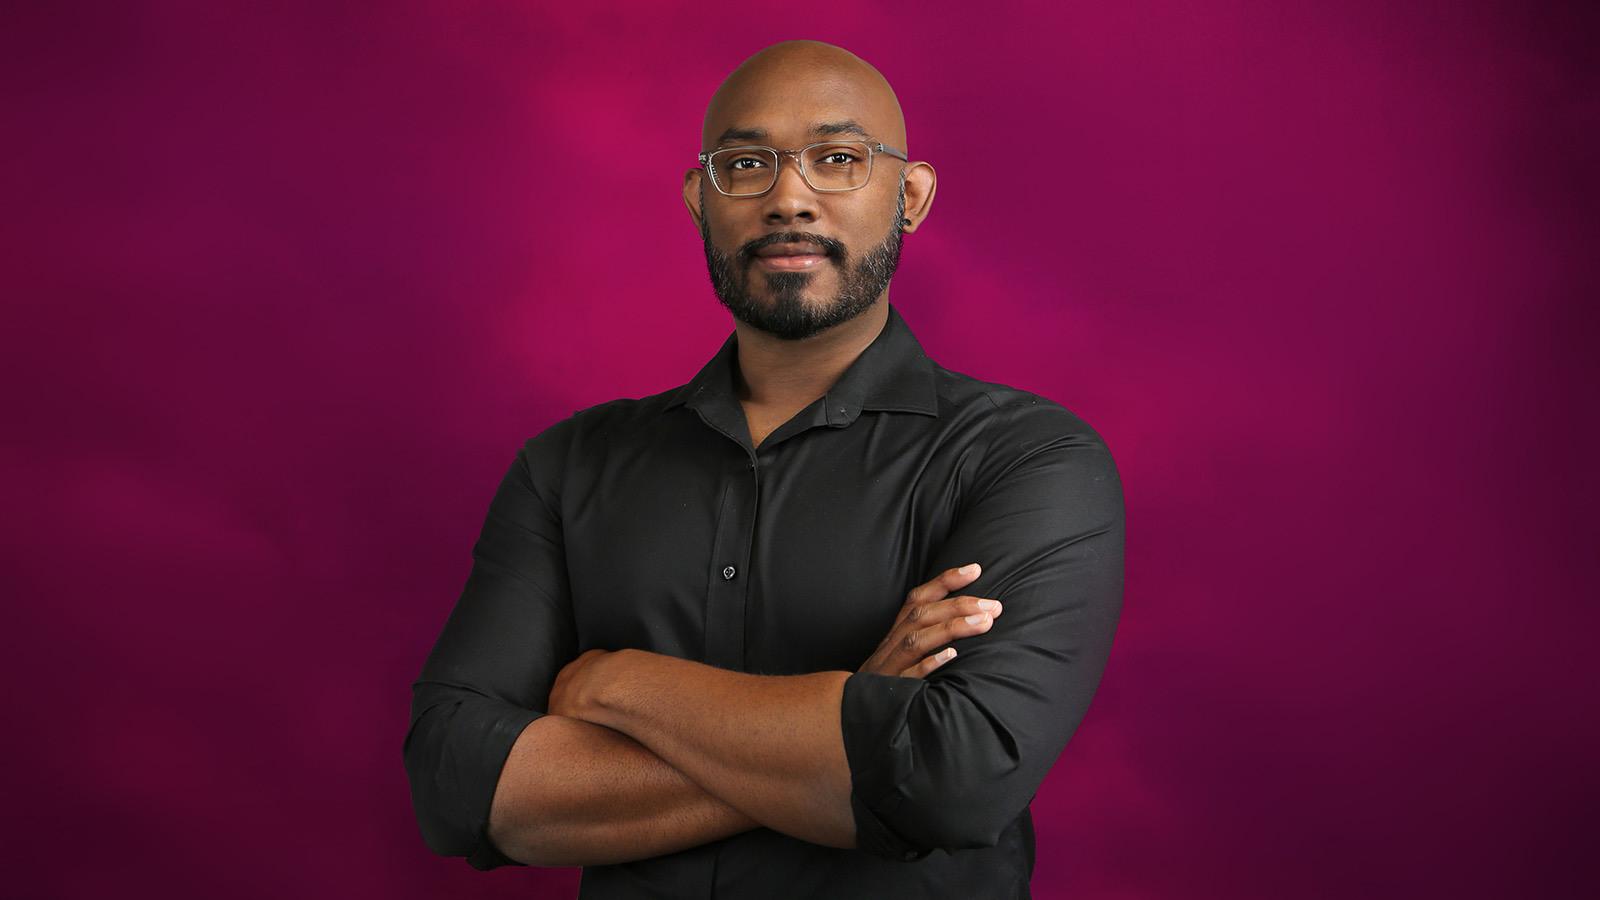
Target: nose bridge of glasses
(797, 164)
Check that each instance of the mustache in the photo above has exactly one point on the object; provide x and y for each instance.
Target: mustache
(834, 249)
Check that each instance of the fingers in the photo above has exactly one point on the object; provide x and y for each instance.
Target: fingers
(942, 584)
(929, 663)
(930, 618)
(956, 615)
(935, 624)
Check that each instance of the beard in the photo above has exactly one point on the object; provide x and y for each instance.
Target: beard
(785, 314)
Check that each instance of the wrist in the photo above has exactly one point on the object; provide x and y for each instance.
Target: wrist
(605, 704)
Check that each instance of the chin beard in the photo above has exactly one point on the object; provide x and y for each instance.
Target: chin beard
(784, 312)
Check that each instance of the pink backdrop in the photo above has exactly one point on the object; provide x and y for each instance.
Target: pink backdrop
(287, 286)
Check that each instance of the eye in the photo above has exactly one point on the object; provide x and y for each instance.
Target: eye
(839, 158)
(754, 162)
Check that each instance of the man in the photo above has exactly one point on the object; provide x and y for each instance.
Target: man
(704, 650)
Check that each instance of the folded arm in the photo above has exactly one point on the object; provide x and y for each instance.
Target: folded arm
(578, 794)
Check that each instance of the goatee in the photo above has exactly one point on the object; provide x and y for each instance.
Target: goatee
(785, 314)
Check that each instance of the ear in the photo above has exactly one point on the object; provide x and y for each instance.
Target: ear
(921, 182)
(691, 197)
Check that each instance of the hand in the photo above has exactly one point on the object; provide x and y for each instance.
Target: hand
(578, 684)
(929, 619)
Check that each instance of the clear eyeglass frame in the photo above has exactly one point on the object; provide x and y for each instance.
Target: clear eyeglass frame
(873, 149)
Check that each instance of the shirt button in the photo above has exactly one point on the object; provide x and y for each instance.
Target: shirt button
(728, 572)
(911, 854)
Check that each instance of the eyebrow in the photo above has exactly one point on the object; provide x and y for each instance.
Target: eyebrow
(738, 134)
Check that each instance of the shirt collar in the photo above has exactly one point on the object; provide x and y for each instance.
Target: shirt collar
(891, 374)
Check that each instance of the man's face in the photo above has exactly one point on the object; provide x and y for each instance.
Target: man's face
(857, 234)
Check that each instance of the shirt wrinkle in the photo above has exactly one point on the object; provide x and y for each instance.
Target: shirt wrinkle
(508, 572)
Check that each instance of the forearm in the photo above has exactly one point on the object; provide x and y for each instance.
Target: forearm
(768, 745)
(574, 793)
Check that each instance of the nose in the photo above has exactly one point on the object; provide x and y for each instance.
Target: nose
(790, 199)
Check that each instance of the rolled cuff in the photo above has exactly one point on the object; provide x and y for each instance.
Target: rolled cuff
(454, 757)
(875, 724)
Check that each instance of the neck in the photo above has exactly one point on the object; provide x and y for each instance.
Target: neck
(776, 374)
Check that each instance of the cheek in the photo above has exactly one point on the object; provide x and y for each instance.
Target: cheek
(866, 223)
(727, 211)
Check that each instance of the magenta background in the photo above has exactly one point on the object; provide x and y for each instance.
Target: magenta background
(286, 286)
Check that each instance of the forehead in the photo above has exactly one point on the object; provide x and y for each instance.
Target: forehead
(791, 112)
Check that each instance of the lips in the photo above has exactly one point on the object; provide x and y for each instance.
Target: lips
(801, 248)
(791, 256)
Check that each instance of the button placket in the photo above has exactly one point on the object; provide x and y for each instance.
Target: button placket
(730, 557)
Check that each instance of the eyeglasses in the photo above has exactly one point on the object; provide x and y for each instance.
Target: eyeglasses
(828, 167)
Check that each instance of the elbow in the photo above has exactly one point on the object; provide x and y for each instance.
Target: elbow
(516, 843)
(523, 832)
(442, 834)
(931, 769)
(961, 780)
(968, 804)
(961, 820)
(906, 830)
(974, 825)
(443, 823)
(449, 830)
(450, 796)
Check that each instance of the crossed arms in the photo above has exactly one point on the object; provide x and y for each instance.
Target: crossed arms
(658, 746)
(768, 749)
(631, 754)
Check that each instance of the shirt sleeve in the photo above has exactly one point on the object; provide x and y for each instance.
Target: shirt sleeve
(490, 672)
(950, 760)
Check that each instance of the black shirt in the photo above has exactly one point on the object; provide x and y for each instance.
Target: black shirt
(653, 524)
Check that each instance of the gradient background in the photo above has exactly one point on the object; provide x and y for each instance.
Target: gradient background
(287, 285)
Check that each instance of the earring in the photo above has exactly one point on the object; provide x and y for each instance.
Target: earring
(905, 221)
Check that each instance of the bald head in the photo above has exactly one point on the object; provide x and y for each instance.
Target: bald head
(831, 85)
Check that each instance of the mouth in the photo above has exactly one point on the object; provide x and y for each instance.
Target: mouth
(790, 257)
